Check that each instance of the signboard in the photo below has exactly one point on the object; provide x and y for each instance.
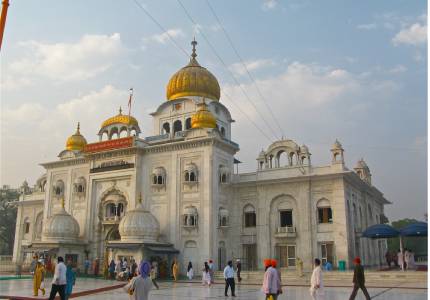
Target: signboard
(109, 145)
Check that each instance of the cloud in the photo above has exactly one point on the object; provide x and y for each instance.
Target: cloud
(398, 69)
(84, 59)
(369, 26)
(253, 65)
(414, 35)
(269, 4)
(163, 38)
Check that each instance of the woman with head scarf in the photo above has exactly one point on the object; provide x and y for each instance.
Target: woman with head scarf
(140, 286)
(39, 275)
(175, 270)
(190, 272)
(206, 276)
(70, 279)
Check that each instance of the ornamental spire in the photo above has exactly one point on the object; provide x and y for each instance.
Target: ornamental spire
(77, 129)
(194, 44)
(120, 110)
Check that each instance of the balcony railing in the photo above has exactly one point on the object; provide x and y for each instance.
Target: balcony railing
(287, 231)
(112, 219)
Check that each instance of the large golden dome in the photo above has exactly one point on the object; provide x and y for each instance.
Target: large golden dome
(193, 80)
(203, 118)
(120, 119)
(76, 142)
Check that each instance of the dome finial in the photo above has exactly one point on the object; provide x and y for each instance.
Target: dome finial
(194, 44)
(120, 110)
(77, 129)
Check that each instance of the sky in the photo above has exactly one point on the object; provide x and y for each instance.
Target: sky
(355, 71)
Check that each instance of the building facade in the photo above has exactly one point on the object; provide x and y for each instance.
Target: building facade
(175, 194)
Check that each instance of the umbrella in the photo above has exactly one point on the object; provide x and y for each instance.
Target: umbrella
(380, 231)
(415, 229)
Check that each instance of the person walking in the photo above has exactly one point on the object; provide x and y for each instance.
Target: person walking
(140, 286)
(112, 269)
(38, 277)
(388, 259)
(411, 262)
(133, 268)
(70, 279)
(33, 265)
(358, 280)
(86, 266)
(299, 263)
(175, 270)
(317, 286)
(153, 276)
(206, 276)
(401, 260)
(96, 267)
(229, 279)
(59, 281)
(238, 269)
(117, 268)
(271, 282)
(211, 270)
(407, 258)
(190, 272)
(274, 264)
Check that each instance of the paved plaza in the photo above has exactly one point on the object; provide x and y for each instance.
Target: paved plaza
(179, 291)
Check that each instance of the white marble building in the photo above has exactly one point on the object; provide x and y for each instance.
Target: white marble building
(192, 205)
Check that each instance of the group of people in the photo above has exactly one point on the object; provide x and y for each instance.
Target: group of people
(406, 259)
(122, 269)
(272, 282)
(62, 283)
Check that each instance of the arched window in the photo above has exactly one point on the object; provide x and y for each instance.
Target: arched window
(177, 126)
(59, 188)
(223, 131)
(223, 174)
(105, 136)
(324, 211)
(223, 217)
(120, 209)
(80, 185)
(159, 176)
(250, 218)
(123, 132)
(190, 173)
(188, 123)
(282, 159)
(166, 127)
(192, 176)
(26, 226)
(190, 218)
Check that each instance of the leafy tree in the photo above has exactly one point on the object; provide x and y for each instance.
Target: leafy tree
(7, 219)
(416, 244)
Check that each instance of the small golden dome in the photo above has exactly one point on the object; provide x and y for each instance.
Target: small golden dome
(76, 142)
(120, 119)
(193, 80)
(203, 118)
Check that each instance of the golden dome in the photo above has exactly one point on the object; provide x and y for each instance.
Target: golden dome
(203, 118)
(76, 141)
(120, 119)
(193, 80)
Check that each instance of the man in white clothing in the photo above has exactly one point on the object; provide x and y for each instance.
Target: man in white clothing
(229, 278)
(317, 286)
(59, 281)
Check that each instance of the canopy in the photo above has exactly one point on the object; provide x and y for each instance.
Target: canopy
(380, 231)
(415, 229)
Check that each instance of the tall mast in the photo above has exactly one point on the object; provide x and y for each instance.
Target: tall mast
(5, 5)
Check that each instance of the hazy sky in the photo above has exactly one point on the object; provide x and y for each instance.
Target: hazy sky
(352, 70)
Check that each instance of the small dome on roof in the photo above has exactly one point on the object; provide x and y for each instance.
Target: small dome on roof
(61, 226)
(76, 142)
(139, 225)
(337, 145)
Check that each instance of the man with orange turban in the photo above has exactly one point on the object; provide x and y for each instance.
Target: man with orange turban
(358, 280)
(271, 283)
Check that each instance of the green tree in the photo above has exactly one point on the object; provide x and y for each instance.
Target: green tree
(416, 244)
(7, 219)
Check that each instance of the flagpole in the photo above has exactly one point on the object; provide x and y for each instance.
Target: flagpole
(129, 101)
